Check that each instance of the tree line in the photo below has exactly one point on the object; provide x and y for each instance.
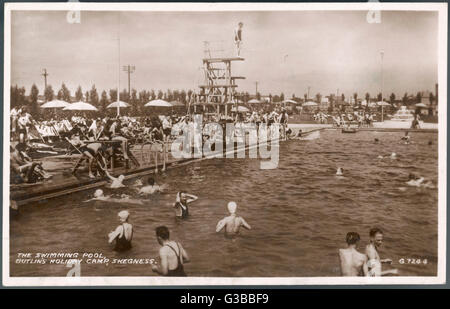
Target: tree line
(138, 99)
(100, 101)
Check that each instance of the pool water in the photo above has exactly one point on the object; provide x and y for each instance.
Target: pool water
(299, 212)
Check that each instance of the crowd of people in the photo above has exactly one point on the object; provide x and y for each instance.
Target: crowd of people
(172, 255)
(96, 139)
(362, 119)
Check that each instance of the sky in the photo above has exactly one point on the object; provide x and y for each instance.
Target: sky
(328, 51)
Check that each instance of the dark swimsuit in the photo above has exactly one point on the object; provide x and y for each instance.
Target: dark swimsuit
(85, 148)
(179, 271)
(238, 36)
(122, 243)
(184, 210)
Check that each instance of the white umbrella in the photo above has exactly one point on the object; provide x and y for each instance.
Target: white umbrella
(254, 101)
(290, 101)
(177, 103)
(55, 104)
(158, 103)
(121, 105)
(310, 103)
(364, 103)
(421, 105)
(382, 103)
(80, 106)
(240, 109)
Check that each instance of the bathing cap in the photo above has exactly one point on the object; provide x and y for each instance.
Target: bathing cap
(124, 214)
(98, 193)
(232, 207)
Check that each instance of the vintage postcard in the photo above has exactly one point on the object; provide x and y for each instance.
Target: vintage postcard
(224, 144)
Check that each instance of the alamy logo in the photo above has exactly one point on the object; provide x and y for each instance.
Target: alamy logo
(75, 268)
(374, 16)
(73, 17)
(196, 140)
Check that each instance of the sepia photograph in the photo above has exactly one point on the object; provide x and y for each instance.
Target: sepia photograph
(224, 144)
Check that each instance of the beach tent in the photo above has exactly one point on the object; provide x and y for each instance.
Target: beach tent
(158, 103)
(382, 103)
(55, 104)
(120, 104)
(80, 106)
(240, 109)
(254, 101)
(310, 103)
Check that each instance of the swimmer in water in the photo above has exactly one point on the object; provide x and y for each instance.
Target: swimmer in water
(340, 171)
(99, 196)
(353, 263)
(172, 255)
(376, 141)
(117, 182)
(393, 155)
(181, 204)
(123, 233)
(374, 262)
(406, 138)
(138, 183)
(430, 143)
(151, 188)
(233, 222)
(415, 180)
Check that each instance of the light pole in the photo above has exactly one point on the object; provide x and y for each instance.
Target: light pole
(382, 85)
(129, 69)
(45, 74)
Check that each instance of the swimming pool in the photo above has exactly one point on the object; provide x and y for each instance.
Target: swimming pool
(300, 212)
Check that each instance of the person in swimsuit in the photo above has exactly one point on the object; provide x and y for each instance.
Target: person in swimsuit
(90, 152)
(353, 263)
(123, 233)
(151, 188)
(24, 122)
(406, 139)
(21, 169)
(374, 262)
(172, 255)
(117, 182)
(181, 204)
(238, 38)
(233, 222)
